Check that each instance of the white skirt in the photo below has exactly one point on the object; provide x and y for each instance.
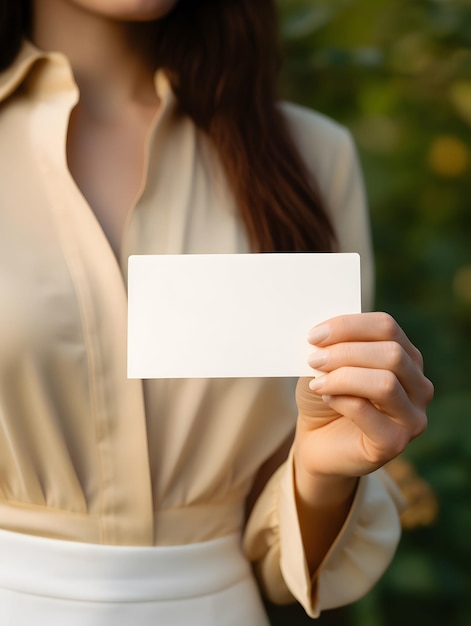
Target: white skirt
(62, 583)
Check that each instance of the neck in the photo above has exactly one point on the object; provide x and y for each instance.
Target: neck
(110, 68)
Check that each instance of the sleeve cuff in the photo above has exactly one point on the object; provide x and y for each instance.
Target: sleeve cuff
(357, 559)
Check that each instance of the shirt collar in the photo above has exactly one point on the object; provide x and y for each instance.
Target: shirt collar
(14, 76)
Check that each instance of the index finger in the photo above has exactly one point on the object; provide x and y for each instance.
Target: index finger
(363, 327)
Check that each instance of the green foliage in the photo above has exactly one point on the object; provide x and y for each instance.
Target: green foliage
(398, 74)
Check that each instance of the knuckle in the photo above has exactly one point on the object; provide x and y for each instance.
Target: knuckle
(418, 358)
(397, 442)
(429, 391)
(400, 441)
(388, 325)
(422, 423)
(388, 385)
(396, 355)
(359, 406)
(418, 426)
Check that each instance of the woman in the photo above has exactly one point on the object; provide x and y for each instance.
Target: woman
(152, 127)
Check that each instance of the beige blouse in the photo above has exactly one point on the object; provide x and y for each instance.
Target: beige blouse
(88, 455)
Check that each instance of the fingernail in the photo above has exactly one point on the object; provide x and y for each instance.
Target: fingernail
(316, 384)
(318, 358)
(318, 334)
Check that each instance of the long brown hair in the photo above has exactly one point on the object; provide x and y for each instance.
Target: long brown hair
(222, 58)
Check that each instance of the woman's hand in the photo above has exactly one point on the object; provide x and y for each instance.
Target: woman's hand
(368, 403)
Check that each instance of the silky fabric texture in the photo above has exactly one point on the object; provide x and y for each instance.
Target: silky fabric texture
(89, 456)
(54, 582)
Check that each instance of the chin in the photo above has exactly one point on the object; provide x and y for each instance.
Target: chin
(129, 10)
(148, 9)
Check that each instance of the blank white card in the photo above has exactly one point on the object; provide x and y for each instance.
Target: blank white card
(234, 315)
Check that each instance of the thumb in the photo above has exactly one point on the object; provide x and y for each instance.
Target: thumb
(311, 406)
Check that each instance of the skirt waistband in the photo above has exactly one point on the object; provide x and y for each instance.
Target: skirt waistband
(102, 573)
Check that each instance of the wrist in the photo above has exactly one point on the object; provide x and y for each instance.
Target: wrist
(323, 490)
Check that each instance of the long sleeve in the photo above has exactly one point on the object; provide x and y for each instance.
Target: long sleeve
(354, 563)
(367, 542)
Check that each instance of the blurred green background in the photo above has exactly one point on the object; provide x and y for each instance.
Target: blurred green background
(398, 74)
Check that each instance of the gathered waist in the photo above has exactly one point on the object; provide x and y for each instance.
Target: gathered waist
(193, 523)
